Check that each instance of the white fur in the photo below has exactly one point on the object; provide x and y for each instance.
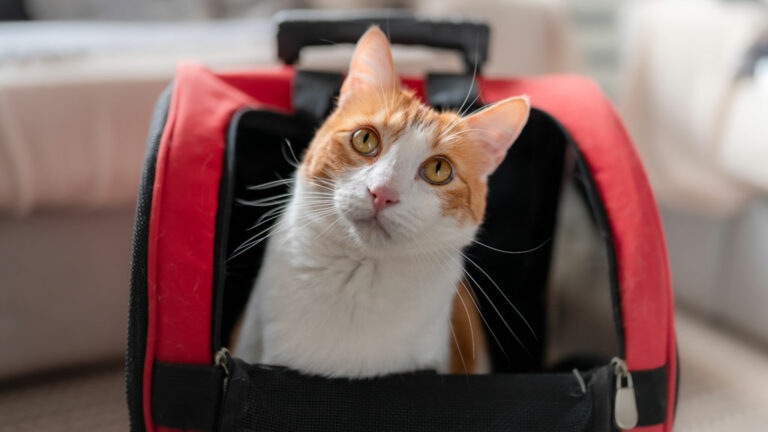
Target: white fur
(340, 295)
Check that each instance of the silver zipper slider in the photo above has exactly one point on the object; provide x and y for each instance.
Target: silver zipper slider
(222, 361)
(625, 405)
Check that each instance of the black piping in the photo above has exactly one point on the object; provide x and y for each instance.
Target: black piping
(137, 315)
(224, 210)
(604, 227)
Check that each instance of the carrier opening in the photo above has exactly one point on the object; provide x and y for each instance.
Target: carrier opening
(546, 308)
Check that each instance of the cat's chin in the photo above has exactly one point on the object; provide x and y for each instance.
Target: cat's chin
(371, 232)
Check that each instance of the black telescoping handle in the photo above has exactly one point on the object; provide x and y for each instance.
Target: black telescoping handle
(297, 29)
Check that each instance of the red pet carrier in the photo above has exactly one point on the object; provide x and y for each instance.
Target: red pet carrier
(214, 134)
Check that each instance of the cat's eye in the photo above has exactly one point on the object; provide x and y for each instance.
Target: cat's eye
(366, 141)
(437, 170)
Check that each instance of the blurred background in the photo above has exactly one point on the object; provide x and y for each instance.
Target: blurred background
(79, 78)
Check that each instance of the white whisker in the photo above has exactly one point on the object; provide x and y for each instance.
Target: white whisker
(503, 295)
(295, 163)
(458, 348)
(271, 184)
(469, 320)
(472, 84)
(485, 321)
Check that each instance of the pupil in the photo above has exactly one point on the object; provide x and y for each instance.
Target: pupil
(437, 168)
(365, 138)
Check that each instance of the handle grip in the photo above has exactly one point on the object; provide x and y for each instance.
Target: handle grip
(297, 29)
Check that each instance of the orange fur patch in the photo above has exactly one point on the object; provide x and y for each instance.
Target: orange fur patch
(469, 344)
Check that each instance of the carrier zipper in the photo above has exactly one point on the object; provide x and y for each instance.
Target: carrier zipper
(625, 404)
(222, 360)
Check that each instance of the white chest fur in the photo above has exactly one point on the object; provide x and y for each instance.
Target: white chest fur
(320, 308)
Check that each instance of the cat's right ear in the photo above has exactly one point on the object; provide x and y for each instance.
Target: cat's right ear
(372, 69)
(495, 127)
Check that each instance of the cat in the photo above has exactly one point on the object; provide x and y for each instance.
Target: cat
(363, 271)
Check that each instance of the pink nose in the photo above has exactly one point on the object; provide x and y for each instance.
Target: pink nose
(383, 197)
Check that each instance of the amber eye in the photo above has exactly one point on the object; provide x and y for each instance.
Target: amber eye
(437, 170)
(366, 142)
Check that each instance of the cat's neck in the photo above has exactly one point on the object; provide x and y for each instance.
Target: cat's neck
(313, 248)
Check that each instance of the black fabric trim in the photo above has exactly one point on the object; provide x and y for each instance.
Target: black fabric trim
(314, 93)
(602, 385)
(276, 399)
(235, 399)
(221, 234)
(586, 184)
(651, 395)
(137, 315)
(261, 397)
(186, 396)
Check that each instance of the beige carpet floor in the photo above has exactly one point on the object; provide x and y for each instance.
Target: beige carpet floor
(79, 402)
(724, 388)
(723, 381)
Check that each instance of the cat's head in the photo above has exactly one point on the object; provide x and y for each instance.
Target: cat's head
(400, 173)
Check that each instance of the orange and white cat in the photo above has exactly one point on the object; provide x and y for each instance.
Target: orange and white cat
(363, 272)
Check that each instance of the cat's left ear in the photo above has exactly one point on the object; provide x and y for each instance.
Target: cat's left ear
(372, 70)
(497, 126)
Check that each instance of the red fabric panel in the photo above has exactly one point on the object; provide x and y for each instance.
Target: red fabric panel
(644, 280)
(186, 187)
(182, 221)
(270, 86)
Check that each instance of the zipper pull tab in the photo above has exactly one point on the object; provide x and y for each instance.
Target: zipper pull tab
(625, 405)
(222, 360)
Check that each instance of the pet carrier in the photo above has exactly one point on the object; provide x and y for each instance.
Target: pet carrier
(215, 133)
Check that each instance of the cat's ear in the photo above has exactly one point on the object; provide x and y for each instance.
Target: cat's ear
(372, 68)
(497, 126)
